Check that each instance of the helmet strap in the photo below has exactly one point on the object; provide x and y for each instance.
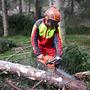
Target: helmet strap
(46, 20)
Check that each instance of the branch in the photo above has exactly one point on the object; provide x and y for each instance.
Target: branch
(11, 83)
(37, 84)
(21, 49)
(58, 79)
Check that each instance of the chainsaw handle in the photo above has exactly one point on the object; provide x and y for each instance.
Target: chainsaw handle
(50, 61)
(54, 61)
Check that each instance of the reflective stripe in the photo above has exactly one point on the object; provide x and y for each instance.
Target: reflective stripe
(59, 30)
(44, 32)
(50, 33)
(42, 29)
(33, 30)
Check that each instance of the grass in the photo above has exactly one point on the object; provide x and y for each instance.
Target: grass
(26, 57)
(20, 40)
(82, 40)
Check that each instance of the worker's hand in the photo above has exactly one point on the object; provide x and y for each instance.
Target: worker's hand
(58, 58)
(41, 56)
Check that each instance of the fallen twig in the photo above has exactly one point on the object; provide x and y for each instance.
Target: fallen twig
(11, 83)
(17, 53)
(36, 85)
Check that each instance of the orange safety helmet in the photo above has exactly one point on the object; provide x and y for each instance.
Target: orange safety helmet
(53, 14)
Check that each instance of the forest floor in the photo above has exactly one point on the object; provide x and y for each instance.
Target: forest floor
(25, 56)
(24, 41)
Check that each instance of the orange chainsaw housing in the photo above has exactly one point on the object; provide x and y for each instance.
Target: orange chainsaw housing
(46, 59)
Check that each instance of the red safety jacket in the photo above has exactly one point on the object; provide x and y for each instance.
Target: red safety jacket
(46, 40)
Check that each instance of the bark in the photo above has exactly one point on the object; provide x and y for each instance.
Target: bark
(4, 15)
(50, 3)
(20, 7)
(83, 75)
(58, 79)
(72, 5)
(37, 14)
(29, 6)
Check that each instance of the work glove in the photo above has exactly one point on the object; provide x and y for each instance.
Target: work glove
(58, 58)
(40, 56)
(40, 65)
(57, 62)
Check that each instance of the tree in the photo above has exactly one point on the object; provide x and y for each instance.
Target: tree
(37, 9)
(28, 5)
(4, 15)
(20, 7)
(72, 2)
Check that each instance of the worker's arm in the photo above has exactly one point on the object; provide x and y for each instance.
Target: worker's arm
(58, 43)
(34, 40)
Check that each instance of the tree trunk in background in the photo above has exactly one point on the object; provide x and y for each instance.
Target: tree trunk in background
(29, 6)
(59, 5)
(20, 7)
(4, 15)
(72, 5)
(37, 13)
(50, 3)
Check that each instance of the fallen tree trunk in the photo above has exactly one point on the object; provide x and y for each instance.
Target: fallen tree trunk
(58, 79)
(83, 75)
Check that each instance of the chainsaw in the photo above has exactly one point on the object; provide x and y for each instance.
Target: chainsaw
(56, 61)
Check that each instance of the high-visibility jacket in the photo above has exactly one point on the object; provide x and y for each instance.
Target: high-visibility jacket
(46, 38)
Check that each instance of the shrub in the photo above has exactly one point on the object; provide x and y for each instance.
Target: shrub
(78, 30)
(75, 59)
(20, 24)
(6, 45)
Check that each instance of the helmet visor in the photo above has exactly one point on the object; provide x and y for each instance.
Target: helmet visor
(52, 23)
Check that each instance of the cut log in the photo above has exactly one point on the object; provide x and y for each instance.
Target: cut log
(58, 79)
(83, 75)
